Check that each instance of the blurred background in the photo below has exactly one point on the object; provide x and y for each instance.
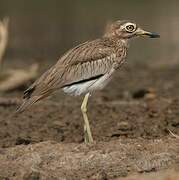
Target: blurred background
(45, 29)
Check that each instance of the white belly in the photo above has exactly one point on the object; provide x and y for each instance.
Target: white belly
(89, 86)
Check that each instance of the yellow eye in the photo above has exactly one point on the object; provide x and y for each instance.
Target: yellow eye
(130, 28)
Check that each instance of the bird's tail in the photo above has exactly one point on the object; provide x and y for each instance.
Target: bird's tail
(27, 103)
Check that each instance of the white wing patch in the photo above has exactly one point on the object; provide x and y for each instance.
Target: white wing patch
(89, 86)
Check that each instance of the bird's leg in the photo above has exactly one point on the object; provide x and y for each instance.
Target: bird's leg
(87, 130)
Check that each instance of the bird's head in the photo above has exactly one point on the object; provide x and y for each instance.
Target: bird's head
(126, 30)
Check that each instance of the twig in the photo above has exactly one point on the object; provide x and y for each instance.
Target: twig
(174, 135)
(4, 27)
(15, 78)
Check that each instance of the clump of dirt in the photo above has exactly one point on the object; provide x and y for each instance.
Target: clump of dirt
(102, 160)
(162, 175)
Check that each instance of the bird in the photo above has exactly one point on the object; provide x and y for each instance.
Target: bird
(87, 67)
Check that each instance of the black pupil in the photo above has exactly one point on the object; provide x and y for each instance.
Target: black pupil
(130, 27)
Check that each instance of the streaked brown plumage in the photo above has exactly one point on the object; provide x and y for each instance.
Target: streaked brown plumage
(86, 67)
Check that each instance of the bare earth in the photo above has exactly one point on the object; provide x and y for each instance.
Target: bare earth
(129, 119)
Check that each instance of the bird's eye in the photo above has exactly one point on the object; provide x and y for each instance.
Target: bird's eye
(130, 28)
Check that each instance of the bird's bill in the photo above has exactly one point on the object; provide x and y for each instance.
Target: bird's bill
(141, 32)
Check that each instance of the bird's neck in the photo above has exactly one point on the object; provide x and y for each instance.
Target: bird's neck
(124, 42)
(118, 42)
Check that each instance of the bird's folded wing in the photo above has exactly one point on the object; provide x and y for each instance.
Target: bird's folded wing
(83, 62)
(86, 61)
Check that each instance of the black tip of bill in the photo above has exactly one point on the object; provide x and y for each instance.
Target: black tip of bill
(153, 35)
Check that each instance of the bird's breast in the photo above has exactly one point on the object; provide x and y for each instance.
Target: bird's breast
(119, 57)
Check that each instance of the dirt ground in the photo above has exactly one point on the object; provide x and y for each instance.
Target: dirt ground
(129, 119)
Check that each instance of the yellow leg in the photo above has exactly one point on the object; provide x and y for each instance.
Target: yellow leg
(87, 131)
